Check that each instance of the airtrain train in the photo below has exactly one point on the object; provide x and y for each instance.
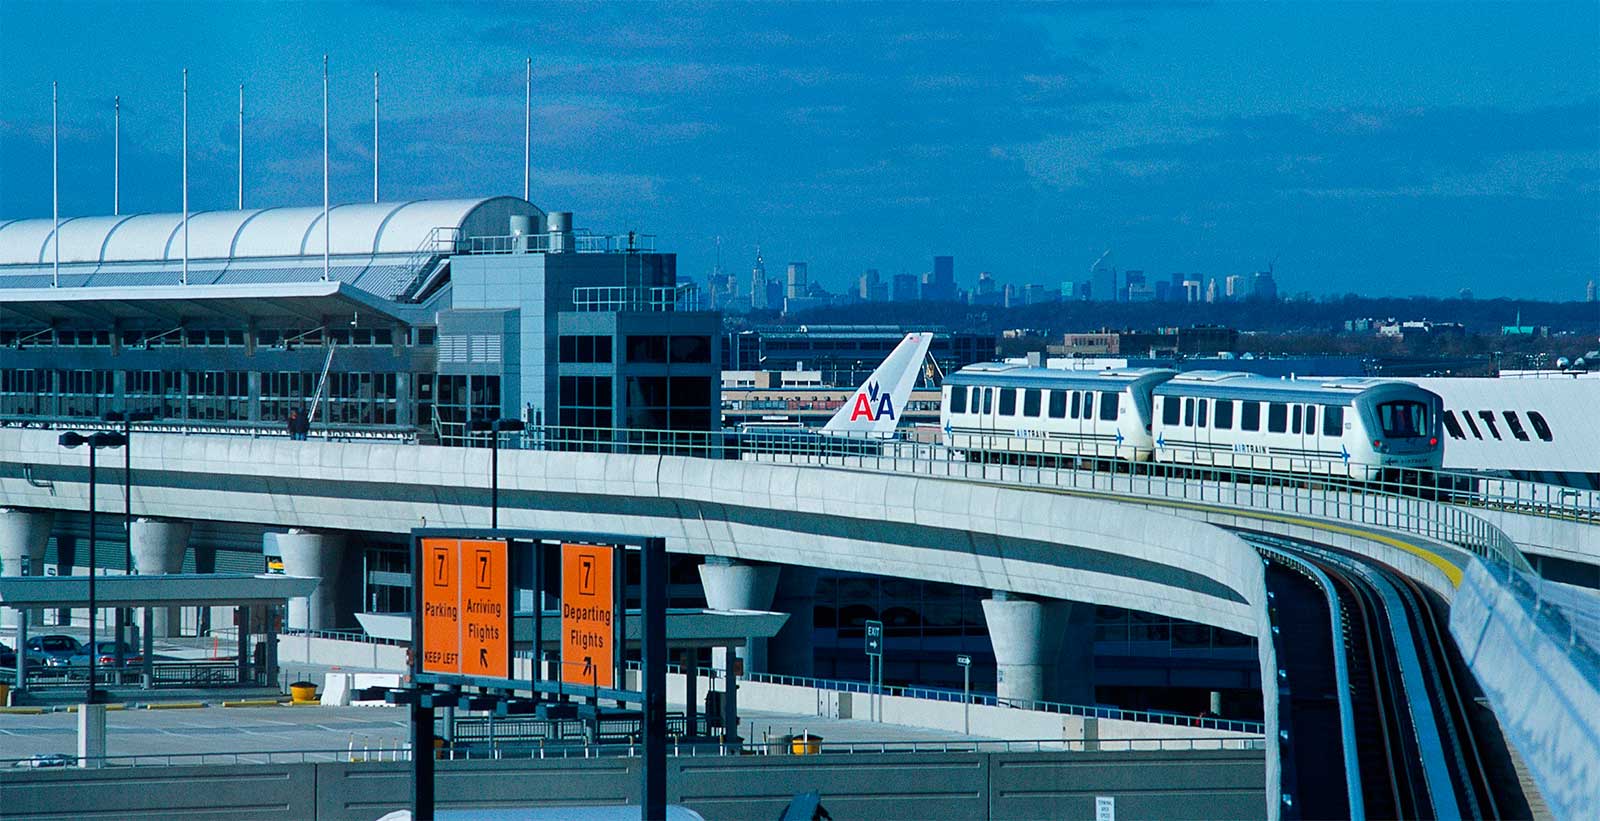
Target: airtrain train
(1361, 428)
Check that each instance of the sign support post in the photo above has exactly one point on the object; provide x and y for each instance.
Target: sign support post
(422, 760)
(875, 669)
(653, 607)
(966, 692)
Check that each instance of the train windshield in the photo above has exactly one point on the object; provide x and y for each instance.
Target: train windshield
(1403, 420)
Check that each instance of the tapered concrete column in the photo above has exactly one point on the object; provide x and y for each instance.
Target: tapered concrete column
(158, 546)
(318, 556)
(1027, 636)
(23, 536)
(790, 652)
(734, 585)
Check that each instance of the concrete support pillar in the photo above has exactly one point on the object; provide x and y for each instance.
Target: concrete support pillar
(158, 546)
(91, 735)
(734, 585)
(23, 536)
(1044, 650)
(790, 652)
(318, 556)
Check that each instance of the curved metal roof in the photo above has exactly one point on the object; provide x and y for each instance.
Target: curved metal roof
(366, 229)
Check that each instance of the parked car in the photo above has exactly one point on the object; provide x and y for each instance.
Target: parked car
(107, 656)
(53, 650)
(46, 760)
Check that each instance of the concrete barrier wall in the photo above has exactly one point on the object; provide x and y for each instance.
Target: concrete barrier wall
(998, 786)
(338, 653)
(1547, 702)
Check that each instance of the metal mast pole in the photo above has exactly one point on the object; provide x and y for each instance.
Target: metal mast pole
(94, 644)
(527, 131)
(55, 194)
(241, 146)
(326, 234)
(374, 136)
(185, 278)
(116, 155)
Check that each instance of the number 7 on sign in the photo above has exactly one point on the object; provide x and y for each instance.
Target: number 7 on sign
(441, 567)
(484, 565)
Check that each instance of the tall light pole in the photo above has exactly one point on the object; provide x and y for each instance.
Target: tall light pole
(95, 441)
(495, 427)
(127, 418)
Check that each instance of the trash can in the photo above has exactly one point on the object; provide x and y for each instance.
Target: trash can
(5, 695)
(303, 691)
(805, 744)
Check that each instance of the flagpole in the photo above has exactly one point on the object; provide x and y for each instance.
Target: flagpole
(116, 155)
(55, 190)
(185, 276)
(241, 146)
(527, 131)
(326, 234)
(374, 136)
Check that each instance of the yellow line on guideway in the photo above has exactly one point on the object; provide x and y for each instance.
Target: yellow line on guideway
(1451, 570)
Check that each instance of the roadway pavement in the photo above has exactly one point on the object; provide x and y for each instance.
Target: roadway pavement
(341, 729)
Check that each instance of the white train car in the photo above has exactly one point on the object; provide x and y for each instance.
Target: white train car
(1362, 428)
(1009, 411)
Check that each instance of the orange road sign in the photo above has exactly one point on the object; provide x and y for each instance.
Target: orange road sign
(587, 614)
(466, 607)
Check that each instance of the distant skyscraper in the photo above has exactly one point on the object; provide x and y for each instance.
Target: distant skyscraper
(1589, 294)
(1163, 291)
(867, 284)
(1265, 288)
(1010, 297)
(1104, 278)
(1211, 290)
(1036, 294)
(758, 284)
(1191, 291)
(1130, 280)
(797, 280)
(1069, 291)
(939, 285)
(905, 288)
(1175, 288)
(1235, 288)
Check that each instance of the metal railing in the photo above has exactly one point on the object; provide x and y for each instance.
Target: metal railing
(1429, 504)
(163, 675)
(608, 298)
(342, 635)
(195, 427)
(570, 242)
(689, 750)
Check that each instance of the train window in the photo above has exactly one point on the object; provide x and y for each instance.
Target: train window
(1488, 422)
(1250, 416)
(1188, 413)
(1466, 416)
(1076, 401)
(1452, 426)
(1030, 402)
(988, 400)
(1277, 417)
(1108, 406)
(1224, 420)
(958, 400)
(1515, 425)
(1407, 420)
(1088, 404)
(1008, 401)
(1311, 420)
(1200, 412)
(1540, 427)
(1058, 404)
(1333, 421)
(1170, 408)
(1294, 425)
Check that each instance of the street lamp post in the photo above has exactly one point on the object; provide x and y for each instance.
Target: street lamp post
(95, 441)
(966, 692)
(495, 427)
(127, 418)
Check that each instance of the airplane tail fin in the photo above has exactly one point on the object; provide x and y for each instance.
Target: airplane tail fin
(876, 406)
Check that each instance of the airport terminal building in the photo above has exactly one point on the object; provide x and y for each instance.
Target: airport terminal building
(409, 317)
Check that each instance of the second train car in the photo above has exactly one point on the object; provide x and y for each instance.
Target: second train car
(1362, 428)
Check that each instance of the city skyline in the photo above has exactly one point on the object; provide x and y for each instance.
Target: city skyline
(1023, 140)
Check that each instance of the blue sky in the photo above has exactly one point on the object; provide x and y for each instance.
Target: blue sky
(1370, 148)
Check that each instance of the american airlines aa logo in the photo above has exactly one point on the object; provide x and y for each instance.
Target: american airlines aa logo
(872, 404)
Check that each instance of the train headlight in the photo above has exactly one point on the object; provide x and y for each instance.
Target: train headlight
(1377, 444)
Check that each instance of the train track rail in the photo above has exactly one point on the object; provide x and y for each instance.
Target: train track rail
(1412, 736)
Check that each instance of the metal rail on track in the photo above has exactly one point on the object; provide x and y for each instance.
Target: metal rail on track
(1341, 668)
